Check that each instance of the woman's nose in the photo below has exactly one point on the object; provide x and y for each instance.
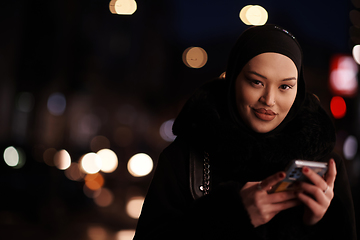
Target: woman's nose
(268, 98)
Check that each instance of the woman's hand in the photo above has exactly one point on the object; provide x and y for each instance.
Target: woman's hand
(260, 205)
(317, 196)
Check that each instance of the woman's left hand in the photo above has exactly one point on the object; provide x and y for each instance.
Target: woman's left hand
(317, 196)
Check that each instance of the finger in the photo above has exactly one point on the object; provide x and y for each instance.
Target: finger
(331, 173)
(314, 178)
(316, 208)
(316, 192)
(272, 180)
(282, 196)
(286, 205)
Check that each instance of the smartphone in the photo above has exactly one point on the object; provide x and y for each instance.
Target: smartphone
(294, 174)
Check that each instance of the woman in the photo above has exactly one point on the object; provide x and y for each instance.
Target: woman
(249, 127)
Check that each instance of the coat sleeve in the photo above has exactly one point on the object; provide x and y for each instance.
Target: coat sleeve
(169, 211)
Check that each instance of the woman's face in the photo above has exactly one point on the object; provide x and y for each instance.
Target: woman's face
(265, 90)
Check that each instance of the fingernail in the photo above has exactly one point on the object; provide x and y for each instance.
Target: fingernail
(305, 169)
(282, 175)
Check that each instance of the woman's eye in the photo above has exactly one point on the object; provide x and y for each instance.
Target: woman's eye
(285, 87)
(256, 83)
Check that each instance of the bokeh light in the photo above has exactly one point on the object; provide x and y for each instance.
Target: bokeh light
(338, 107)
(25, 102)
(195, 57)
(112, 6)
(91, 193)
(166, 131)
(109, 160)
(223, 75)
(98, 143)
(242, 14)
(140, 165)
(48, 156)
(125, 234)
(125, 7)
(105, 198)
(134, 206)
(97, 233)
(94, 181)
(11, 156)
(56, 104)
(14, 157)
(356, 53)
(253, 15)
(343, 76)
(74, 173)
(62, 159)
(350, 147)
(91, 163)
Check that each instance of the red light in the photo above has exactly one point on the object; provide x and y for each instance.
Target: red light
(338, 107)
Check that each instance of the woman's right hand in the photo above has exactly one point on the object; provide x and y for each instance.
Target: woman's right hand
(262, 206)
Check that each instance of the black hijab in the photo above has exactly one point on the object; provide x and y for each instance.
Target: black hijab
(252, 42)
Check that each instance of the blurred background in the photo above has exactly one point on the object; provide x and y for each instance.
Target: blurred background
(89, 90)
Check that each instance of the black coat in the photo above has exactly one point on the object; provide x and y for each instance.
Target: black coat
(237, 156)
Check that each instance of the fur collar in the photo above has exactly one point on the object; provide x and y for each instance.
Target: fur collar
(237, 152)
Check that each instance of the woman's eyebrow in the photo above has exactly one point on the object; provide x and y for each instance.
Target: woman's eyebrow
(285, 79)
(258, 74)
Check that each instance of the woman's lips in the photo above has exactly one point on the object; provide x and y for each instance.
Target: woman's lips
(263, 114)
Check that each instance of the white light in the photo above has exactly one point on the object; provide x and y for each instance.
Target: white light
(62, 160)
(253, 15)
(166, 131)
(134, 206)
(350, 147)
(125, 235)
(91, 163)
(343, 78)
(109, 160)
(125, 7)
(140, 165)
(56, 104)
(11, 156)
(242, 14)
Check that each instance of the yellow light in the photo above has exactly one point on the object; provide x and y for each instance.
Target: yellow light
(242, 14)
(109, 160)
(195, 57)
(105, 198)
(91, 163)
(134, 206)
(140, 165)
(125, 7)
(223, 75)
(62, 160)
(112, 6)
(253, 15)
(125, 234)
(94, 181)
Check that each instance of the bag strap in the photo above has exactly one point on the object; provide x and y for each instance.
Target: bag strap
(199, 173)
